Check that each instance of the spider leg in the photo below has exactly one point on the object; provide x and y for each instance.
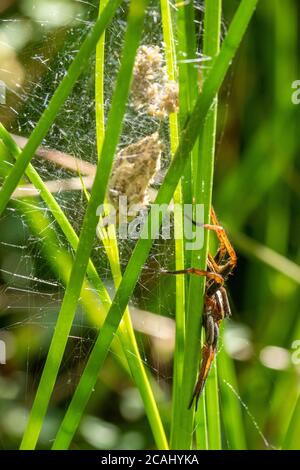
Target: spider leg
(216, 336)
(199, 272)
(209, 329)
(225, 246)
(208, 226)
(208, 354)
(224, 249)
(225, 302)
(212, 263)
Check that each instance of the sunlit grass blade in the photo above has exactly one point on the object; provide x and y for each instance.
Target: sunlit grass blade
(67, 312)
(211, 48)
(169, 43)
(56, 103)
(134, 359)
(60, 262)
(125, 331)
(202, 164)
(202, 195)
(152, 223)
(109, 239)
(188, 92)
(95, 310)
(99, 85)
(186, 47)
(191, 358)
(94, 297)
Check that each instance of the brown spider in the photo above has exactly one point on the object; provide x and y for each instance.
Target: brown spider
(216, 304)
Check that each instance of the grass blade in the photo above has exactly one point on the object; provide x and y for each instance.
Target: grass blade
(59, 259)
(188, 84)
(211, 48)
(165, 193)
(188, 92)
(178, 222)
(58, 214)
(66, 315)
(129, 344)
(109, 239)
(243, 15)
(99, 85)
(96, 310)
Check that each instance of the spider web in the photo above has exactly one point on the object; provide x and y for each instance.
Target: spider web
(31, 288)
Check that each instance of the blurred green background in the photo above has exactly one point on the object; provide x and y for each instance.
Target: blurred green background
(256, 195)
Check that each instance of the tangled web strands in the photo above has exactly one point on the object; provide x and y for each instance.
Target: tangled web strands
(33, 278)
